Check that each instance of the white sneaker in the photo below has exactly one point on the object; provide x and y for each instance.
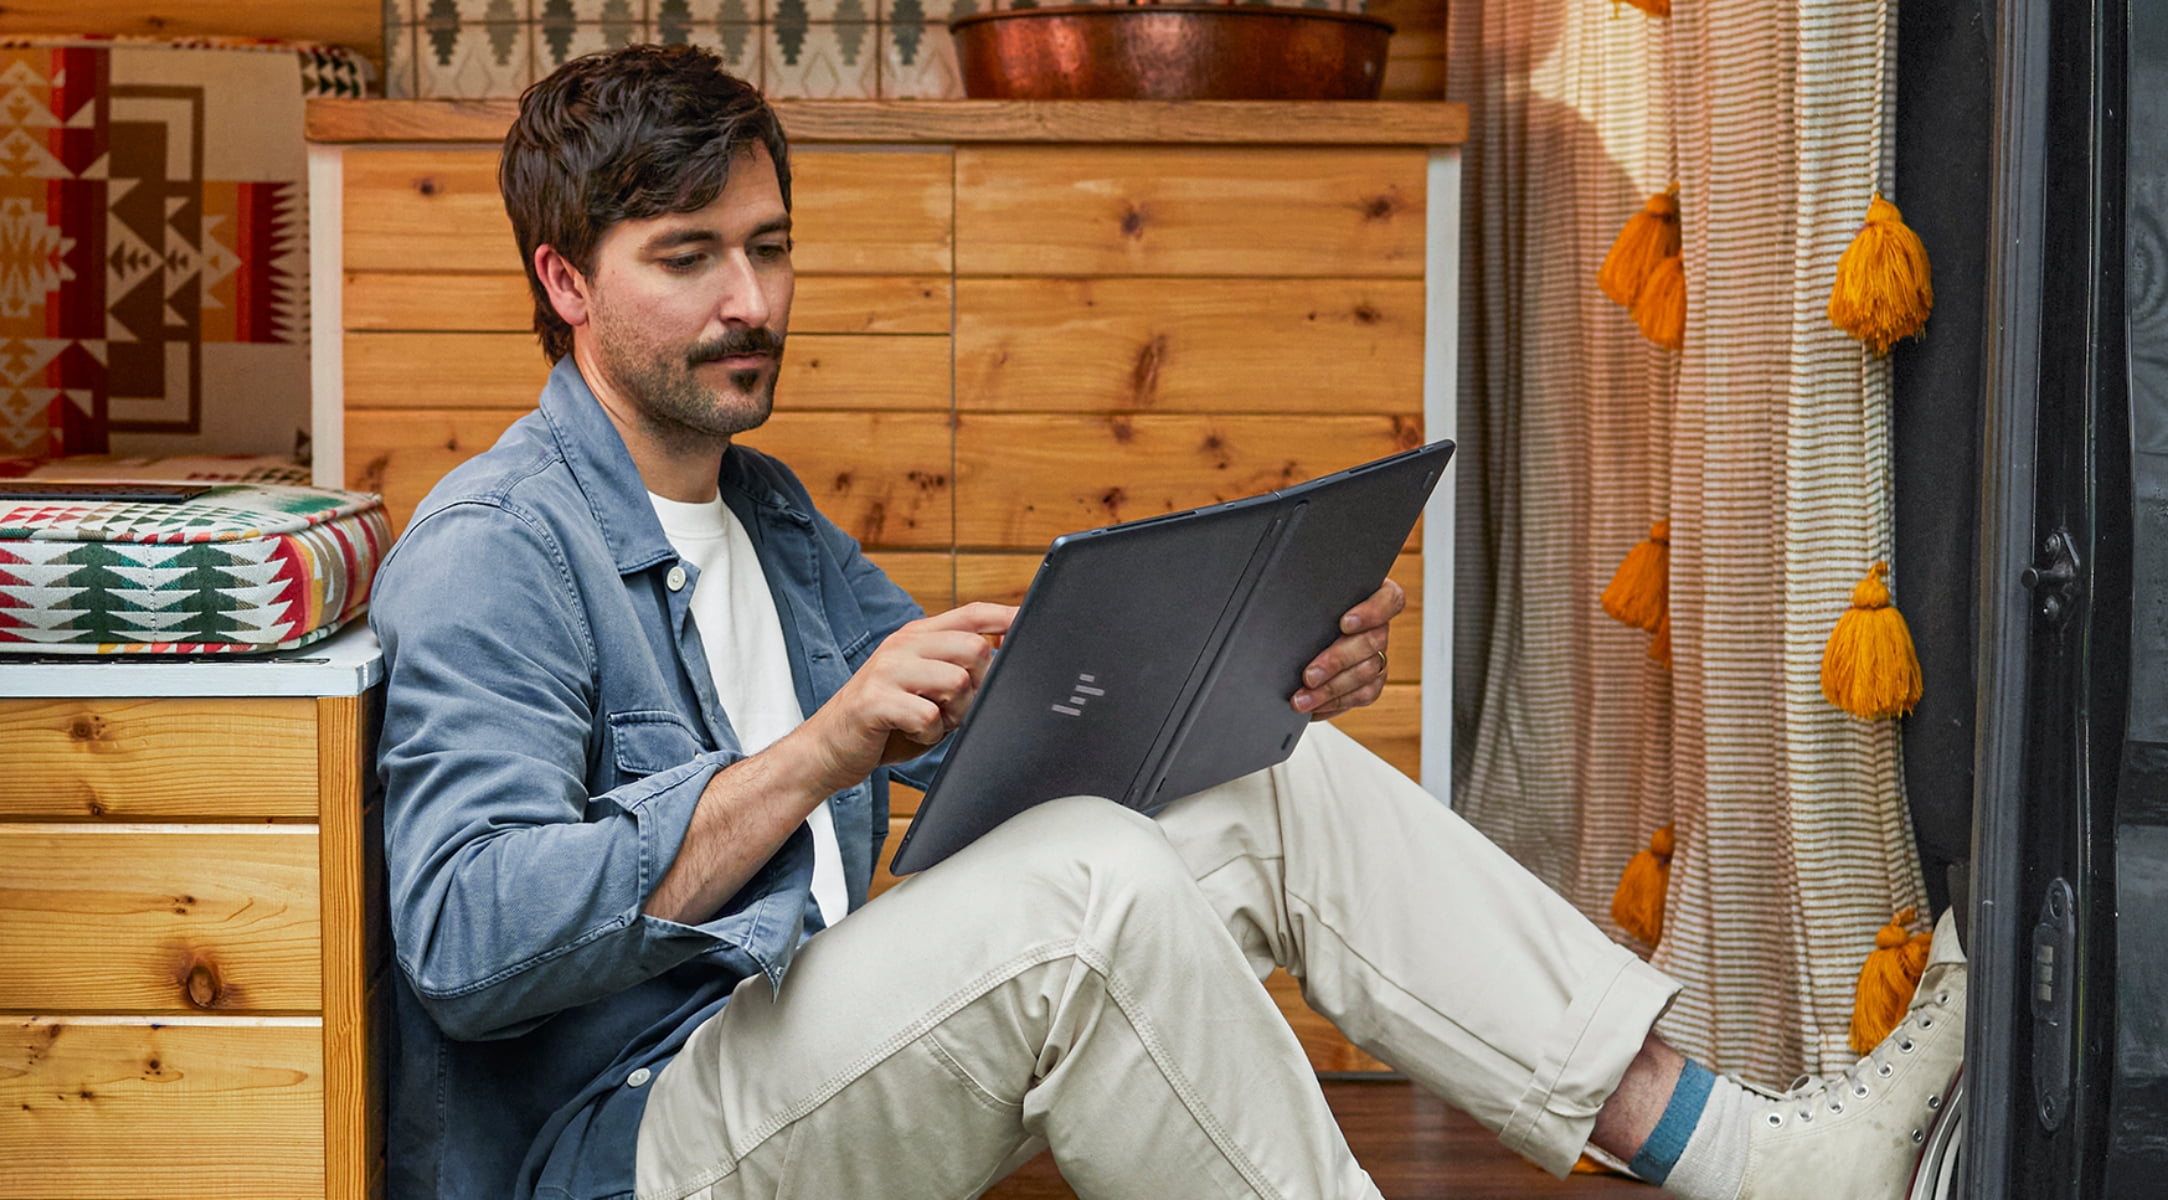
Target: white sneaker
(1859, 1133)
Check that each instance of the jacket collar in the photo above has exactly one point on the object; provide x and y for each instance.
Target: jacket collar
(602, 467)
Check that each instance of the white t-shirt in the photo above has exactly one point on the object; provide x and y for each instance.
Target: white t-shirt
(747, 658)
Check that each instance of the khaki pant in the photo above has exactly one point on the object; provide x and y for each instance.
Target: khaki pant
(1086, 978)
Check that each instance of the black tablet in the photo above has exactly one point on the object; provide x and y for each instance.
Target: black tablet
(1156, 658)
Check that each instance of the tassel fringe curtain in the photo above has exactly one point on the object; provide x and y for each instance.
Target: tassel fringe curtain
(1764, 444)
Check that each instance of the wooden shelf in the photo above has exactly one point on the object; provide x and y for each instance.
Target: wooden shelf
(952, 122)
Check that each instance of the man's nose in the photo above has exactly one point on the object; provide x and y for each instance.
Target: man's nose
(743, 300)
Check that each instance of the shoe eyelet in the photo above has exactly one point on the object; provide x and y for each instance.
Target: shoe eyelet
(1942, 998)
(1918, 1137)
(1927, 1022)
(1776, 1120)
(1885, 1070)
(1836, 1106)
(1859, 1092)
(1806, 1117)
(1906, 1046)
(1934, 1103)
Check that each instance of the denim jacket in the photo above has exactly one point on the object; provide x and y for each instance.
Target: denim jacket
(549, 724)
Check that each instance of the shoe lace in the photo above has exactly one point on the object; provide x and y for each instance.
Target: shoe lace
(1808, 1092)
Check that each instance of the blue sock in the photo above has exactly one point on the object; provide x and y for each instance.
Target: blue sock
(1667, 1141)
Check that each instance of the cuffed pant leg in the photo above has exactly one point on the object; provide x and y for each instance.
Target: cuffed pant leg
(1425, 943)
(1063, 981)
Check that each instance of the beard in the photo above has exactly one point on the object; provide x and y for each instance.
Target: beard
(675, 402)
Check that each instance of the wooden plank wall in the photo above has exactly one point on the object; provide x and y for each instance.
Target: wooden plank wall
(1414, 68)
(993, 345)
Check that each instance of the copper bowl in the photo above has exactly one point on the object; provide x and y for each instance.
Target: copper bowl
(1170, 52)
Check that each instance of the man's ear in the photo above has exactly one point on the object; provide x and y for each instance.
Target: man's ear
(567, 288)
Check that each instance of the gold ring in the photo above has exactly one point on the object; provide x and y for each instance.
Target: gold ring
(1381, 661)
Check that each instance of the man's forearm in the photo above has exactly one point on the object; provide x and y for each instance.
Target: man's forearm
(744, 814)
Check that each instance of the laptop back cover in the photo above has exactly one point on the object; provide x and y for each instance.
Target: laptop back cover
(1155, 658)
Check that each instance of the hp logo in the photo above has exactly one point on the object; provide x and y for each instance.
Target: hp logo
(1080, 693)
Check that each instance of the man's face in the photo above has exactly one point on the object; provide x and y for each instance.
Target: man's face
(688, 311)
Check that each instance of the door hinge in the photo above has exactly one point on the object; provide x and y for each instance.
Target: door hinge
(2053, 580)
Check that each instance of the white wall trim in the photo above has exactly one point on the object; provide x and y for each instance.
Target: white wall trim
(1441, 419)
(327, 314)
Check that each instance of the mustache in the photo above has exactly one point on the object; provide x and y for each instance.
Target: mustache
(734, 344)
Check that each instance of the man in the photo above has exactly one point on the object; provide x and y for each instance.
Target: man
(644, 703)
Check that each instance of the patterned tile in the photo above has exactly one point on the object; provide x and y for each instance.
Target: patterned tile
(470, 12)
(472, 63)
(784, 12)
(676, 20)
(591, 12)
(557, 44)
(730, 33)
(821, 62)
(918, 62)
(399, 81)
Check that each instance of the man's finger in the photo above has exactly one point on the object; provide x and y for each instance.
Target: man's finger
(1348, 654)
(1381, 607)
(980, 617)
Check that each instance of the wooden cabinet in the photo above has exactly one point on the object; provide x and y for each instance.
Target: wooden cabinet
(186, 959)
(1013, 321)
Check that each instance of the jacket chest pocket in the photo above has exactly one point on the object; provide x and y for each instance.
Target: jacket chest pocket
(645, 741)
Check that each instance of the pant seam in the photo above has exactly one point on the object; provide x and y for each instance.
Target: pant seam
(964, 1077)
(948, 1007)
(1132, 1010)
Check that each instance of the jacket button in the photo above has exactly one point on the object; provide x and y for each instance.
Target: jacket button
(676, 579)
(639, 1076)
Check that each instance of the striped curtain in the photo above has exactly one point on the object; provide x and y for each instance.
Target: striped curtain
(1765, 446)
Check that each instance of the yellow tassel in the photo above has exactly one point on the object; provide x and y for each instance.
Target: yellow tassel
(1884, 288)
(1639, 589)
(1869, 668)
(1660, 307)
(1887, 980)
(1660, 645)
(1638, 905)
(1648, 238)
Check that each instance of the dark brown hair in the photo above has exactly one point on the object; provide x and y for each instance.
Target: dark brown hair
(618, 136)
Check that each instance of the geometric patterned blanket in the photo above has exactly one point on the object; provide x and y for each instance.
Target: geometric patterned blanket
(153, 250)
(243, 567)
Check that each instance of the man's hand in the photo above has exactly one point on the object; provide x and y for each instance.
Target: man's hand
(913, 691)
(1351, 671)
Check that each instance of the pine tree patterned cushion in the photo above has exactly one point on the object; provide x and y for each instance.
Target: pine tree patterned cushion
(241, 567)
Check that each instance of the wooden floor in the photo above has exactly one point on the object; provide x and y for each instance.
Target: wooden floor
(1413, 1146)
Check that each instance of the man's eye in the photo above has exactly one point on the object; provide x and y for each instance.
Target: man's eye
(683, 262)
(772, 250)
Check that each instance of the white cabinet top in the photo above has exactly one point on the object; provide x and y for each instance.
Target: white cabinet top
(347, 663)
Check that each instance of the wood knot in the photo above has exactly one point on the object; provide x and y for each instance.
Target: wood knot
(426, 186)
(1379, 208)
(1112, 501)
(843, 483)
(1366, 315)
(202, 985)
(1144, 372)
(87, 728)
(1123, 430)
(371, 478)
(1133, 222)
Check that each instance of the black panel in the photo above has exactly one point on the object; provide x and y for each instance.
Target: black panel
(2138, 1121)
(1945, 118)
